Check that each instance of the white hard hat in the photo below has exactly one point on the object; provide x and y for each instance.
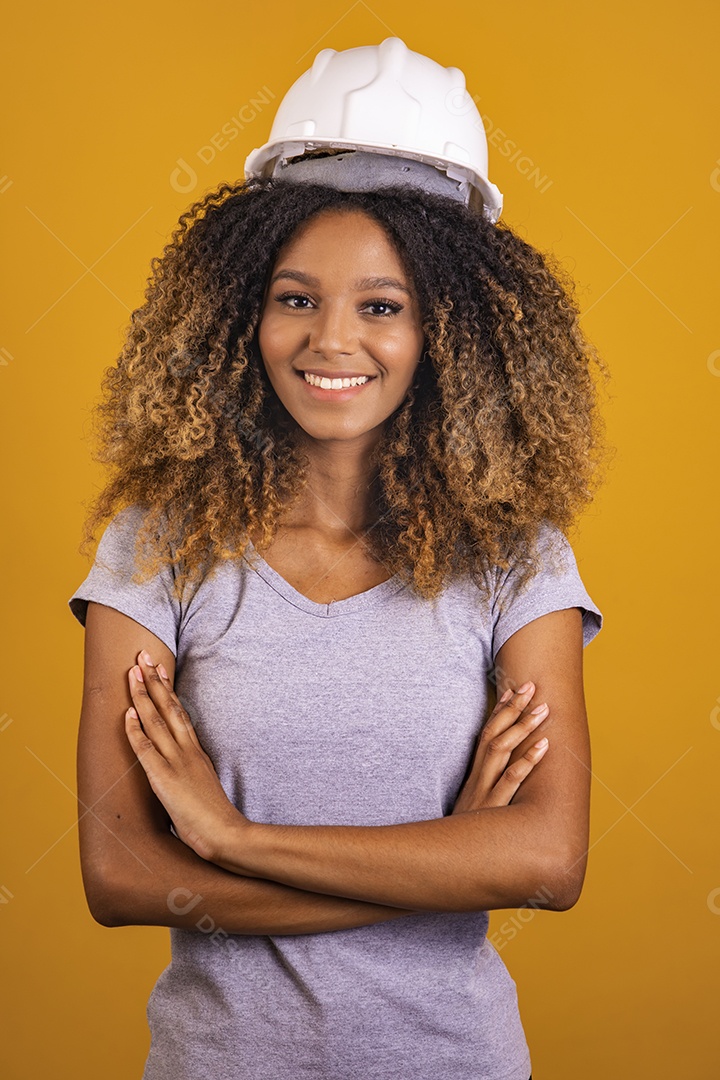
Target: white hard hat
(388, 100)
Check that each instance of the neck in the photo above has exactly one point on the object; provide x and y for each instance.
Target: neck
(341, 490)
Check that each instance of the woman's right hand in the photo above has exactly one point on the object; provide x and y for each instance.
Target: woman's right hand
(491, 781)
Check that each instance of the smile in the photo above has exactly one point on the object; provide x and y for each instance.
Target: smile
(335, 384)
(322, 388)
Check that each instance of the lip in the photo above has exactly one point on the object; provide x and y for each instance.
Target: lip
(335, 374)
(335, 395)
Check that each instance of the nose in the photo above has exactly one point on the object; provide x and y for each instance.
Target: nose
(333, 331)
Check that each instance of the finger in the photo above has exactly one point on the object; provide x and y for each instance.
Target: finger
(147, 754)
(182, 712)
(499, 736)
(514, 775)
(507, 711)
(496, 743)
(506, 740)
(498, 707)
(153, 722)
(493, 754)
(505, 697)
(166, 701)
(501, 702)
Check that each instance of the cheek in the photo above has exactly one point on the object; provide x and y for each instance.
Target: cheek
(270, 341)
(263, 335)
(403, 346)
(404, 357)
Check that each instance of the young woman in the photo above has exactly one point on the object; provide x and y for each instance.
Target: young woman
(348, 431)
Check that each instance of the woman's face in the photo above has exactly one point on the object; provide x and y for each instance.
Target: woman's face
(339, 305)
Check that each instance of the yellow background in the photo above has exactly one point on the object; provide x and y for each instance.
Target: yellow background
(616, 106)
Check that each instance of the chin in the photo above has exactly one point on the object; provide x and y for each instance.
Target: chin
(334, 432)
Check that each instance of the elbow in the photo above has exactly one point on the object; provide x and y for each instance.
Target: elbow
(105, 915)
(121, 889)
(104, 897)
(565, 880)
(102, 906)
(552, 880)
(565, 898)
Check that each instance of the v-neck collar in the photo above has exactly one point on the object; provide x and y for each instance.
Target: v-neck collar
(350, 605)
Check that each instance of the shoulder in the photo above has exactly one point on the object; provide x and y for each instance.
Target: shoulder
(545, 578)
(546, 554)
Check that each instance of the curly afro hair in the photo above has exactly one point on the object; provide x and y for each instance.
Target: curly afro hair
(500, 429)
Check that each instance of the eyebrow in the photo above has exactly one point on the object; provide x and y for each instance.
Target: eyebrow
(366, 283)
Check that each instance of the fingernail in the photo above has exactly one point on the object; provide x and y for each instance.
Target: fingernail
(524, 688)
(506, 695)
(163, 672)
(147, 658)
(539, 709)
(541, 743)
(138, 673)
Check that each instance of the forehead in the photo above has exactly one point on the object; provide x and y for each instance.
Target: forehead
(352, 225)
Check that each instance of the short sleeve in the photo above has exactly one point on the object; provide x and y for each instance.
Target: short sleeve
(152, 603)
(555, 586)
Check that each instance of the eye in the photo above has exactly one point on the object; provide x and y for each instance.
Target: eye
(391, 304)
(293, 296)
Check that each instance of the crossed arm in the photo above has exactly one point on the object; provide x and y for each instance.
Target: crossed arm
(272, 879)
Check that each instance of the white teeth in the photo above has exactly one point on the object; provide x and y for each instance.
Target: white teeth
(335, 384)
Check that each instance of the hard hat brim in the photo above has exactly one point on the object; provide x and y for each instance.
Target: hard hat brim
(261, 162)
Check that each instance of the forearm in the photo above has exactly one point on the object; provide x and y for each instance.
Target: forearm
(497, 857)
(173, 887)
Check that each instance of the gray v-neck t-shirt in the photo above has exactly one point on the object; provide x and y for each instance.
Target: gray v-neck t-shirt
(364, 711)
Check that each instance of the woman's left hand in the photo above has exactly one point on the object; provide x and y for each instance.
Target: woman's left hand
(180, 772)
